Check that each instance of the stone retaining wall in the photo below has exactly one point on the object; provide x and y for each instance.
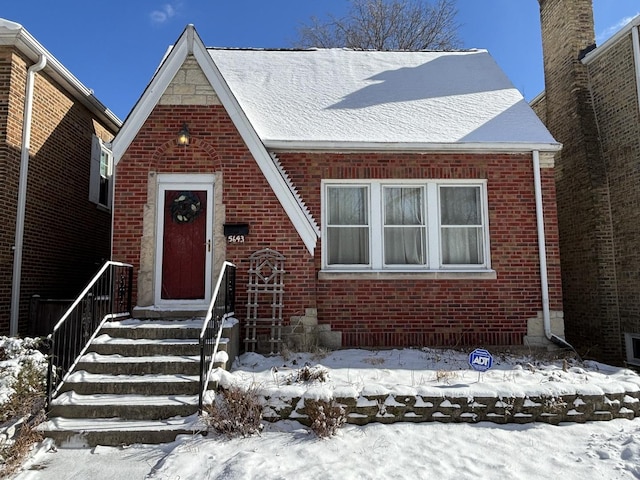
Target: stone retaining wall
(417, 408)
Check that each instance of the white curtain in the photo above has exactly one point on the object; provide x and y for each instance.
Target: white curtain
(347, 226)
(404, 232)
(461, 226)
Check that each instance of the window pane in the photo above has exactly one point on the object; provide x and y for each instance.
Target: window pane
(462, 246)
(348, 245)
(347, 226)
(460, 206)
(403, 206)
(104, 164)
(404, 246)
(347, 205)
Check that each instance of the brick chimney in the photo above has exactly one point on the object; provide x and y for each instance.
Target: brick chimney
(585, 227)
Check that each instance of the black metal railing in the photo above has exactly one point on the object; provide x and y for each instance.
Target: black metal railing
(107, 296)
(222, 306)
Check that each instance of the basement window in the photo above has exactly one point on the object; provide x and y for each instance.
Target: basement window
(632, 341)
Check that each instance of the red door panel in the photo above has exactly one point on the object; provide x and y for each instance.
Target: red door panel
(184, 245)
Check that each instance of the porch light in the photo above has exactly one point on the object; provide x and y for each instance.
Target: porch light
(184, 136)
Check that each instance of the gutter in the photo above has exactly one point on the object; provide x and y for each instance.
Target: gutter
(542, 249)
(22, 195)
(14, 34)
(454, 147)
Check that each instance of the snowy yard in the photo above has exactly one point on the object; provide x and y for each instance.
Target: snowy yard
(288, 450)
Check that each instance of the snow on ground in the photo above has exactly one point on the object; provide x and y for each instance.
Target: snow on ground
(288, 450)
(426, 372)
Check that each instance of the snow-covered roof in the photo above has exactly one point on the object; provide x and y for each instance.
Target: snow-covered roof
(325, 98)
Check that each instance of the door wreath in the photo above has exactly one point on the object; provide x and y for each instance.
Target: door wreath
(186, 207)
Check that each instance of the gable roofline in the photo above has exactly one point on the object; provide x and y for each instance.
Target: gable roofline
(14, 34)
(188, 43)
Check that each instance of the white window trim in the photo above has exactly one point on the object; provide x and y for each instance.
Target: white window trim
(98, 147)
(629, 338)
(433, 264)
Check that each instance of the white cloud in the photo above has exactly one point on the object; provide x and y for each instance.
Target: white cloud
(163, 14)
(609, 31)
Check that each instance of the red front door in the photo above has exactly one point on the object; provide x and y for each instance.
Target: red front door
(184, 245)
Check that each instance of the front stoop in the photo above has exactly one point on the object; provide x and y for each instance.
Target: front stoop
(137, 383)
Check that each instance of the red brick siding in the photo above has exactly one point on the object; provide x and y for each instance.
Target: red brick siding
(369, 313)
(66, 236)
(216, 147)
(443, 312)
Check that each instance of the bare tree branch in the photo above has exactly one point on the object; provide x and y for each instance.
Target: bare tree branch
(386, 25)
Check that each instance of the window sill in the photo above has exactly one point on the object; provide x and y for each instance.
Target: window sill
(409, 275)
(102, 208)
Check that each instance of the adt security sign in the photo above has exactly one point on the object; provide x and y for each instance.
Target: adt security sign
(480, 360)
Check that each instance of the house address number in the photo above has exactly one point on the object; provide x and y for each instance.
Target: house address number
(235, 238)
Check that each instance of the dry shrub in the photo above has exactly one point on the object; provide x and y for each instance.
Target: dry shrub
(325, 417)
(28, 392)
(24, 408)
(235, 412)
(445, 376)
(14, 453)
(309, 374)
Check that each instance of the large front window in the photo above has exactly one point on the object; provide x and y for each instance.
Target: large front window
(408, 225)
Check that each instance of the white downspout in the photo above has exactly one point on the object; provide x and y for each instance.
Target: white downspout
(22, 195)
(635, 35)
(542, 249)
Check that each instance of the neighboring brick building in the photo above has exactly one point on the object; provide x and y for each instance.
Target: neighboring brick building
(66, 236)
(591, 105)
(399, 186)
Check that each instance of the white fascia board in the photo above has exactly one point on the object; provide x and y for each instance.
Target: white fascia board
(301, 146)
(16, 35)
(308, 233)
(150, 97)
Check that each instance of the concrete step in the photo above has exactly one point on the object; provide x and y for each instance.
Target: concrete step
(152, 364)
(107, 345)
(82, 432)
(137, 383)
(85, 383)
(153, 329)
(128, 407)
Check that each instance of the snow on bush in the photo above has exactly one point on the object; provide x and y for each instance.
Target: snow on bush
(22, 373)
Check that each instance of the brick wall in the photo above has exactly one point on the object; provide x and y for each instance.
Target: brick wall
(66, 236)
(369, 313)
(615, 102)
(598, 230)
(216, 147)
(442, 312)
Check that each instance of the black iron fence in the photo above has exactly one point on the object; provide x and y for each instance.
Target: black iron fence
(222, 306)
(106, 297)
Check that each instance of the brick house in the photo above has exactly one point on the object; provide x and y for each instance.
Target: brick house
(591, 104)
(56, 224)
(406, 192)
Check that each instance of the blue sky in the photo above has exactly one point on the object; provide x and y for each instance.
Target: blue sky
(114, 46)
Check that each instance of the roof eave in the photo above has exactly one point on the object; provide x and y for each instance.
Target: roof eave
(338, 146)
(623, 32)
(29, 46)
